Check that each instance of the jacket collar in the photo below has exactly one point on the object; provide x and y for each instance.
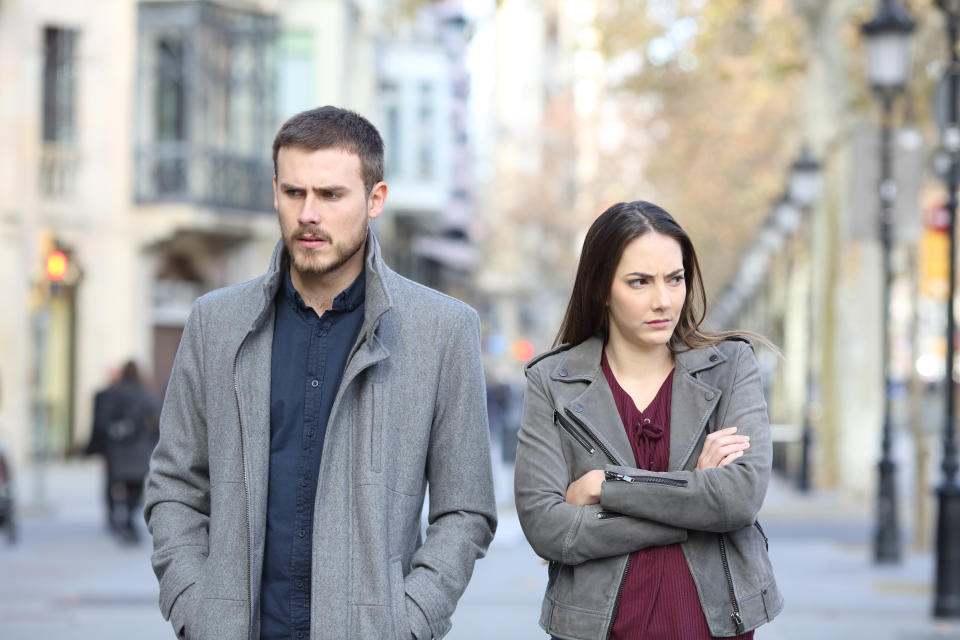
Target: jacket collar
(377, 298)
(693, 400)
(582, 362)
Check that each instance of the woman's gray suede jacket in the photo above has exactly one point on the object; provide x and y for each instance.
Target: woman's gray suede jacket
(571, 426)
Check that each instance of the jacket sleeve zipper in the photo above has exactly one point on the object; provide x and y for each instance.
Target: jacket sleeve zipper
(606, 515)
(621, 477)
(735, 617)
(573, 432)
(606, 451)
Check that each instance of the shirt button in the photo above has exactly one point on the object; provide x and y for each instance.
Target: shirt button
(646, 421)
(299, 584)
(708, 395)
(299, 634)
(714, 358)
(578, 408)
(301, 533)
(314, 383)
(562, 373)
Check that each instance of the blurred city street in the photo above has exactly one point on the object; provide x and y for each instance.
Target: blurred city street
(66, 578)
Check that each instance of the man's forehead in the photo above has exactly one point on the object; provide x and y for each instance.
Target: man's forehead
(332, 163)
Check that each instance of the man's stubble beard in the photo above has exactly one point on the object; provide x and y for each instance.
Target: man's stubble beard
(301, 257)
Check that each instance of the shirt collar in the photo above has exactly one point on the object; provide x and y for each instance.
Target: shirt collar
(347, 300)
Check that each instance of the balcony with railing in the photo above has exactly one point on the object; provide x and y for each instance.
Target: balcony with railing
(205, 106)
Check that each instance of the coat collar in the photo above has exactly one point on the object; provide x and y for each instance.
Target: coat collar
(693, 400)
(377, 298)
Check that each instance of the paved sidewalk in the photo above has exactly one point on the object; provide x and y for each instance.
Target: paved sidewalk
(67, 578)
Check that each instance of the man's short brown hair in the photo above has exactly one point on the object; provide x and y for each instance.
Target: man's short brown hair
(334, 128)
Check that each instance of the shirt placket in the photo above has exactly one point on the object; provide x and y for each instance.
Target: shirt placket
(302, 548)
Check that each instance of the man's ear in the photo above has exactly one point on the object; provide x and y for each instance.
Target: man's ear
(376, 200)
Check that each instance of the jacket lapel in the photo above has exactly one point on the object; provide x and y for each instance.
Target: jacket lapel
(691, 404)
(253, 377)
(594, 408)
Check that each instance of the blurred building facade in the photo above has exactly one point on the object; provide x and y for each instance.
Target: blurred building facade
(139, 146)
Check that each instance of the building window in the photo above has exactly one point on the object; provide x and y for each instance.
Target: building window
(425, 139)
(59, 85)
(295, 75)
(169, 107)
(390, 99)
(58, 157)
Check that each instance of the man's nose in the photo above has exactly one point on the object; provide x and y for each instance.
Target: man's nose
(310, 212)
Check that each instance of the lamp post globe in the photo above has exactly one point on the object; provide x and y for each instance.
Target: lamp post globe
(888, 47)
(806, 184)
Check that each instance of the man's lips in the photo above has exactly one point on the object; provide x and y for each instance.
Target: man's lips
(308, 240)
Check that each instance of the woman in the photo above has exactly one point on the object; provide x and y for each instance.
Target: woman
(645, 452)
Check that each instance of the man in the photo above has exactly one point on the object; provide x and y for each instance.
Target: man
(306, 414)
(125, 432)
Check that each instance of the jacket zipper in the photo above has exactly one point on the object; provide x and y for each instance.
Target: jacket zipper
(766, 542)
(573, 432)
(246, 489)
(616, 603)
(606, 515)
(670, 482)
(735, 616)
(606, 451)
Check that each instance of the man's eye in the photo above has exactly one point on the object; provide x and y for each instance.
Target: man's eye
(331, 195)
(294, 193)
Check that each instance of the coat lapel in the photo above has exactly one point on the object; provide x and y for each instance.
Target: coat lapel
(691, 404)
(253, 377)
(595, 408)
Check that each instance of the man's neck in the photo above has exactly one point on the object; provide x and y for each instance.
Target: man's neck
(319, 290)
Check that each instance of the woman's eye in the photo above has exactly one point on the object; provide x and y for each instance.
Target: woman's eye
(637, 283)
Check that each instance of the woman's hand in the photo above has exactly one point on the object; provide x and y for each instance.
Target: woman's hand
(585, 489)
(720, 448)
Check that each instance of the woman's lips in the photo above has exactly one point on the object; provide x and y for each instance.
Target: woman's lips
(658, 324)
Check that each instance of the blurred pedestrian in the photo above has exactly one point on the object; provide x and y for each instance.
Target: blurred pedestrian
(306, 414)
(124, 431)
(645, 449)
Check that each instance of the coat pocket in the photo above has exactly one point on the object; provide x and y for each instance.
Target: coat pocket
(376, 427)
(398, 597)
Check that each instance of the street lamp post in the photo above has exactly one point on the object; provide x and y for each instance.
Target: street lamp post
(947, 599)
(888, 69)
(804, 191)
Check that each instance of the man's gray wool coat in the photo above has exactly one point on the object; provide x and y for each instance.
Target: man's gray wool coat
(410, 411)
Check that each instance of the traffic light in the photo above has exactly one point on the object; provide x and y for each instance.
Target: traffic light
(56, 266)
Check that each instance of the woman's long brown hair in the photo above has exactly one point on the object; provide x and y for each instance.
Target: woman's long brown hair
(603, 247)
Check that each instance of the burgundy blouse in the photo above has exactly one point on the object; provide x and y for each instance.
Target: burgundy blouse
(658, 598)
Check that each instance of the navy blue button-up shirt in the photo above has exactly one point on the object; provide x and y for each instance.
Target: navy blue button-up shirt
(309, 356)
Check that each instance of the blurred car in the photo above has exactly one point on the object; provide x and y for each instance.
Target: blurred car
(7, 519)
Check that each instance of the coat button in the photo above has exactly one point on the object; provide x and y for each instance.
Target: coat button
(708, 395)
(578, 408)
(714, 358)
(562, 373)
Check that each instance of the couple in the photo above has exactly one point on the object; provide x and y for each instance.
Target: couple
(309, 409)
